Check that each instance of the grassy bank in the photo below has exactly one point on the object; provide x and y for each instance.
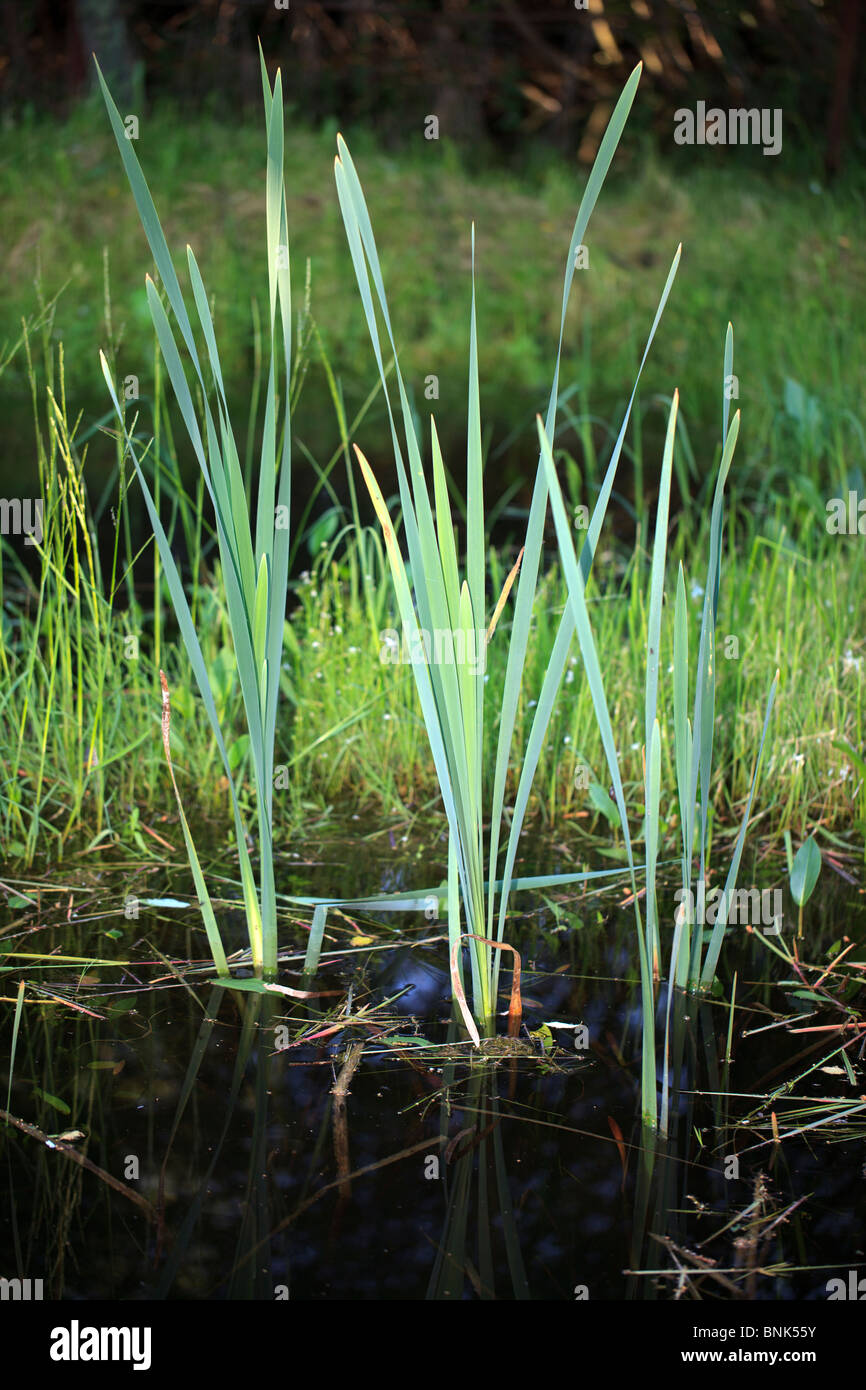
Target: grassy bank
(80, 747)
(769, 614)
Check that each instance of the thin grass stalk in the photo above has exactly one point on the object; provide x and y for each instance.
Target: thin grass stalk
(652, 745)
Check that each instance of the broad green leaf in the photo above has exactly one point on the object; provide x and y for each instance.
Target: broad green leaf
(602, 803)
(54, 1101)
(805, 871)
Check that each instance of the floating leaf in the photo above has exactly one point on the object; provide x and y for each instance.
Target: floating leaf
(544, 1036)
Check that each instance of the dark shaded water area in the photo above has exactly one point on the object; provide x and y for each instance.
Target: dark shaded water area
(178, 1140)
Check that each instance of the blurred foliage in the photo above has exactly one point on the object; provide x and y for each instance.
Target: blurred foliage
(489, 69)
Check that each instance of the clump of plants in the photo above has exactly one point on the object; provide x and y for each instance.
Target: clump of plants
(431, 598)
(449, 615)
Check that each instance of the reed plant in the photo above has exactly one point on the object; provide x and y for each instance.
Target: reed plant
(693, 957)
(431, 598)
(253, 548)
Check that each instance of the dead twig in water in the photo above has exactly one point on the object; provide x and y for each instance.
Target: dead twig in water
(69, 1152)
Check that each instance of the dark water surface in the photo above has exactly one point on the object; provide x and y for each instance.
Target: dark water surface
(522, 1177)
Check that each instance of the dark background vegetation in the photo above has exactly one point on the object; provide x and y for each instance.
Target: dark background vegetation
(494, 71)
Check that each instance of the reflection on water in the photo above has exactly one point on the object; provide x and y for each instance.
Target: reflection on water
(352, 1167)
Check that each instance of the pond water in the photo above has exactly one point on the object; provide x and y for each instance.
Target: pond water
(347, 1147)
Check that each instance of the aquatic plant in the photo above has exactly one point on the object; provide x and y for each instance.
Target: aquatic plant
(692, 964)
(430, 597)
(432, 600)
(254, 554)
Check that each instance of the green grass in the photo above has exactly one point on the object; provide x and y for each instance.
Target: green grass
(769, 591)
(67, 655)
(709, 710)
(792, 599)
(787, 264)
